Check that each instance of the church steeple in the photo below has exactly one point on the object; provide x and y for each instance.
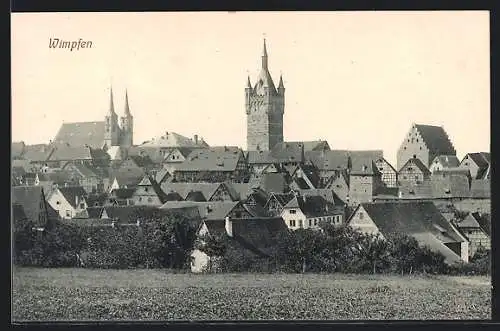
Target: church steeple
(281, 85)
(264, 56)
(111, 103)
(249, 85)
(127, 108)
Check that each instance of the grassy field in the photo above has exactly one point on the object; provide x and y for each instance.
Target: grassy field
(82, 294)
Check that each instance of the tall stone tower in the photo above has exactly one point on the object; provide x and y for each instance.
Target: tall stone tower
(111, 127)
(127, 124)
(264, 108)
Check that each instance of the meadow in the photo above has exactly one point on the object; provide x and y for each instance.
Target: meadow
(86, 295)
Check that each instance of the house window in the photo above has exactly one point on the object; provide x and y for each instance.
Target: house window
(420, 147)
(140, 198)
(315, 221)
(361, 215)
(150, 199)
(58, 202)
(300, 224)
(329, 219)
(416, 177)
(292, 222)
(145, 189)
(82, 206)
(310, 222)
(68, 213)
(292, 211)
(404, 148)
(414, 156)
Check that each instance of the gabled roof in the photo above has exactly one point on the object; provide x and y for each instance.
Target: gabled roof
(211, 160)
(480, 188)
(411, 218)
(37, 153)
(470, 221)
(30, 197)
(59, 177)
(257, 234)
(312, 205)
(69, 153)
(328, 194)
(127, 177)
(328, 160)
(288, 151)
(243, 190)
(281, 198)
(17, 149)
(484, 221)
(273, 182)
(173, 139)
(217, 210)
(141, 161)
(482, 159)
(81, 134)
(71, 192)
(259, 157)
(447, 161)
(161, 175)
(208, 189)
(259, 196)
(194, 196)
(122, 193)
(436, 139)
(83, 170)
(383, 160)
(417, 163)
(363, 162)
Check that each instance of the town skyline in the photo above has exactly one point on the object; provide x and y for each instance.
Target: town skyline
(418, 73)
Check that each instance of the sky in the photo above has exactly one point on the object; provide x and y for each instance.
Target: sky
(356, 79)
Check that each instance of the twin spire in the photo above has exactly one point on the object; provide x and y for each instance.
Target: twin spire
(112, 106)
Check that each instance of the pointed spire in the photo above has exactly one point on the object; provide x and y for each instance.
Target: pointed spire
(249, 85)
(264, 56)
(281, 85)
(127, 108)
(111, 104)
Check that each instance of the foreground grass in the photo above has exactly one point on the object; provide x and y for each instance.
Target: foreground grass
(82, 294)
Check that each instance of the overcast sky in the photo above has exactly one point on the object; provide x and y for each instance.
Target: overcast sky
(355, 79)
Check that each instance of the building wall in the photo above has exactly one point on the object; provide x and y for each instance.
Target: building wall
(477, 238)
(361, 221)
(199, 261)
(361, 189)
(413, 146)
(471, 165)
(264, 121)
(389, 175)
(63, 207)
(146, 196)
(411, 174)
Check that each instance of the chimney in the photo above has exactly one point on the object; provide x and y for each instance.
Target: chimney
(196, 139)
(229, 226)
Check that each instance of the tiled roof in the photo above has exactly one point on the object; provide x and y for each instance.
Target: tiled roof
(25, 164)
(328, 194)
(217, 210)
(18, 213)
(243, 190)
(482, 159)
(195, 196)
(37, 153)
(128, 213)
(149, 155)
(69, 153)
(312, 205)
(282, 198)
(328, 160)
(127, 177)
(122, 193)
(71, 192)
(259, 196)
(60, 177)
(434, 244)
(173, 139)
(484, 221)
(436, 139)
(17, 149)
(363, 162)
(288, 152)
(211, 160)
(259, 157)
(83, 170)
(30, 197)
(469, 221)
(273, 183)
(447, 161)
(456, 186)
(208, 189)
(480, 188)
(81, 134)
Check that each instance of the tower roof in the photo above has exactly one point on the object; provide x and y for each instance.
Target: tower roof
(127, 108)
(264, 80)
(281, 85)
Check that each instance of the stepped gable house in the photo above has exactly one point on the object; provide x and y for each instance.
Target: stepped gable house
(264, 105)
(424, 142)
(100, 134)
